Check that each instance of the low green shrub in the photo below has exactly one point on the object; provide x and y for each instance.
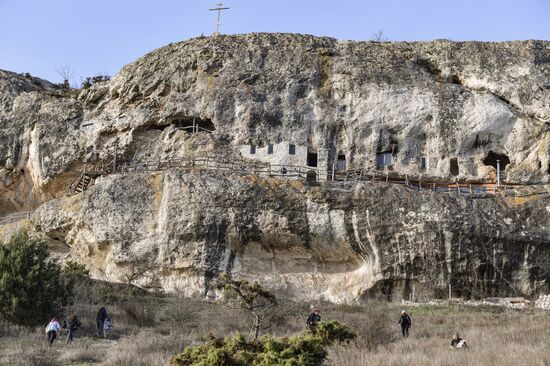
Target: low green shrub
(306, 349)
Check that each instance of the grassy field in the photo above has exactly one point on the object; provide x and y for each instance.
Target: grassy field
(147, 330)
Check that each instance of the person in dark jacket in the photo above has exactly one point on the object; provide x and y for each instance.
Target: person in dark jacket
(313, 319)
(72, 325)
(405, 322)
(458, 342)
(100, 320)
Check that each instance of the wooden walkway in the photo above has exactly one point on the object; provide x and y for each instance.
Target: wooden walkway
(309, 174)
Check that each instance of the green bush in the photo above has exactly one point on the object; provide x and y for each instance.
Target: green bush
(74, 270)
(91, 80)
(31, 286)
(306, 349)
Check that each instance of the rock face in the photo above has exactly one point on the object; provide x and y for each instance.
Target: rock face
(439, 110)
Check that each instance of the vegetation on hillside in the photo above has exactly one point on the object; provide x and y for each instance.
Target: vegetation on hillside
(306, 349)
(32, 289)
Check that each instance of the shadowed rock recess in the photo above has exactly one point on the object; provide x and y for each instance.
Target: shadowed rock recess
(439, 110)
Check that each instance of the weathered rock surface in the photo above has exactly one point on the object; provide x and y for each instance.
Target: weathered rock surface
(333, 242)
(467, 102)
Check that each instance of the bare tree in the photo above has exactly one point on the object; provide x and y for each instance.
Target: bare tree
(259, 302)
(66, 73)
(137, 268)
(379, 36)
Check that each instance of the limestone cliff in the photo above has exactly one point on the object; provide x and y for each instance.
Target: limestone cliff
(436, 110)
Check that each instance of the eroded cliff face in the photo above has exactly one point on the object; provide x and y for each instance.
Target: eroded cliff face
(338, 242)
(458, 105)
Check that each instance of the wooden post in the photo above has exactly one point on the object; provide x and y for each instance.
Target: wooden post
(450, 292)
(333, 170)
(414, 292)
(361, 175)
(471, 188)
(434, 187)
(457, 188)
(194, 125)
(387, 176)
(406, 180)
(114, 159)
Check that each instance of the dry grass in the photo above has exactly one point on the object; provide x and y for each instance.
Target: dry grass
(502, 338)
(151, 330)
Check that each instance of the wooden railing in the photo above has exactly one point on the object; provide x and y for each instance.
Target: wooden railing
(309, 174)
(14, 217)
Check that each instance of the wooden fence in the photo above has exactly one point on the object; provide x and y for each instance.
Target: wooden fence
(312, 174)
(14, 217)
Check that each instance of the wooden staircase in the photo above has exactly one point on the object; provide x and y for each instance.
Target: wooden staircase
(83, 183)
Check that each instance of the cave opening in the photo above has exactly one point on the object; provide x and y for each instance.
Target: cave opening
(194, 124)
(454, 169)
(341, 162)
(312, 159)
(154, 127)
(492, 157)
(311, 177)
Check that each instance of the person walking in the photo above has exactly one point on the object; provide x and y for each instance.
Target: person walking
(72, 326)
(100, 320)
(52, 330)
(405, 322)
(312, 320)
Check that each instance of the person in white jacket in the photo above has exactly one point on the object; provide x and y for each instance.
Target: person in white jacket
(52, 330)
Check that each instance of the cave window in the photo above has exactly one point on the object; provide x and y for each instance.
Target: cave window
(194, 124)
(311, 159)
(341, 163)
(454, 170)
(270, 149)
(283, 171)
(548, 169)
(252, 149)
(292, 149)
(383, 160)
(491, 160)
(423, 163)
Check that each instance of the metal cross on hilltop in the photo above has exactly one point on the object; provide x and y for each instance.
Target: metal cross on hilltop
(219, 9)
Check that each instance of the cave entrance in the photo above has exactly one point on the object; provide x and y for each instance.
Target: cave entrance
(383, 160)
(194, 124)
(311, 159)
(341, 163)
(311, 177)
(491, 160)
(454, 169)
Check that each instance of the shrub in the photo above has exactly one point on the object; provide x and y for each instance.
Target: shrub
(75, 270)
(334, 332)
(306, 349)
(380, 326)
(139, 315)
(91, 80)
(31, 286)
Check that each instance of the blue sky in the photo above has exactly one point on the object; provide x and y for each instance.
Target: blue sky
(100, 36)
